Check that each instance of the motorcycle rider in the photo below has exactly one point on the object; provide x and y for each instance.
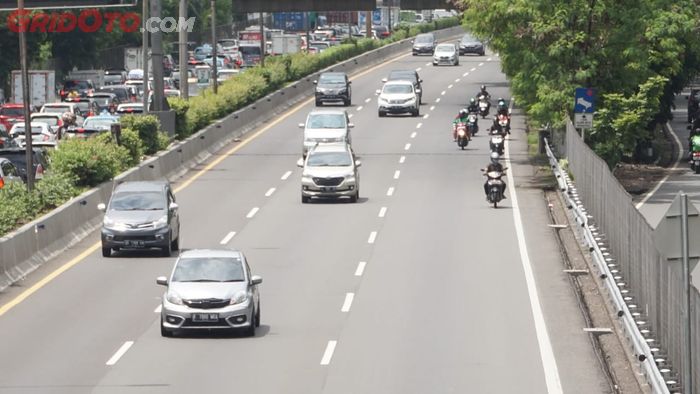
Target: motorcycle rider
(693, 133)
(473, 108)
(502, 107)
(494, 165)
(694, 142)
(496, 127)
(462, 117)
(484, 92)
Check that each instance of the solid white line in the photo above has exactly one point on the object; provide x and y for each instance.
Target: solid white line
(419, 68)
(123, 349)
(457, 80)
(413, 135)
(437, 100)
(348, 302)
(481, 64)
(402, 159)
(367, 100)
(228, 238)
(252, 212)
(426, 116)
(372, 237)
(473, 69)
(382, 212)
(286, 175)
(488, 60)
(442, 93)
(360, 268)
(390, 191)
(465, 74)
(549, 363)
(665, 178)
(328, 354)
(450, 86)
(360, 108)
(407, 147)
(158, 308)
(397, 174)
(419, 125)
(269, 192)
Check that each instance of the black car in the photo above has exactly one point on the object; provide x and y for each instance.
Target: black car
(469, 44)
(18, 157)
(105, 101)
(5, 140)
(83, 87)
(407, 75)
(333, 87)
(141, 215)
(424, 43)
(115, 76)
(124, 93)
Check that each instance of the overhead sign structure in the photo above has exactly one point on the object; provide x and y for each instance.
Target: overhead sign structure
(426, 4)
(302, 5)
(11, 5)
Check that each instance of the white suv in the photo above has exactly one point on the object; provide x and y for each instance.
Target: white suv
(330, 170)
(397, 97)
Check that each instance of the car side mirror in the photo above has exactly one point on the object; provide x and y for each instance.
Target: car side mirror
(377, 92)
(349, 82)
(162, 280)
(351, 125)
(255, 280)
(301, 125)
(173, 206)
(102, 206)
(358, 163)
(385, 80)
(420, 80)
(300, 163)
(315, 82)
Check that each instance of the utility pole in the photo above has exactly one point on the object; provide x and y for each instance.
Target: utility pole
(184, 85)
(389, 5)
(262, 40)
(157, 59)
(307, 26)
(144, 48)
(25, 99)
(368, 24)
(215, 60)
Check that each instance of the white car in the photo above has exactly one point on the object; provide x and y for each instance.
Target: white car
(53, 120)
(446, 54)
(397, 97)
(324, 126)
(130, 108)
(41, 134)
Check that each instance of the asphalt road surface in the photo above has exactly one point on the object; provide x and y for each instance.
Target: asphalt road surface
(421, 287)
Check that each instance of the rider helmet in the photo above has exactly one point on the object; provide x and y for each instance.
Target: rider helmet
(483, 87)
(463, 112)
(472, 100)
(494, 157)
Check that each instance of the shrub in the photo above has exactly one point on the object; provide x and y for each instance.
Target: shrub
(147, 127)
(129, 140)
(17, 206)
(89, 162)
(180, 106)
(55, 189)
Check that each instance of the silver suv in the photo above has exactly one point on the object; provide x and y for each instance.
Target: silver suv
(330, 170)
(326, 125)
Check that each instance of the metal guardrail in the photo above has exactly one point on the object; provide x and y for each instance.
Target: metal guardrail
(615, 289)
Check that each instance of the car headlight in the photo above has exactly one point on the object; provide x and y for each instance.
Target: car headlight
(173, 298)
(381, 100)
(162, 222)
(113, 225)
(239, 298)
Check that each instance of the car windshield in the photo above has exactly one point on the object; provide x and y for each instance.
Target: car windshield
(76, 85)
(468, 39)
(49, 120)
(331, 79)
(329, 159)
(445, 48)
(56, 109)
(98, 124)
(12, 111)
(35, 129)
(137, 201)
(326, 121)
(398, 89)
(424, 39)
(247, 50)
(209, 269)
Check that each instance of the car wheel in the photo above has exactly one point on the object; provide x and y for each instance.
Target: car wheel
(355, 197)
(167, 250)
(164, 332)
(382, 114)
(257, 316)
(304, 199)
(106, 252)
(175, 245)
(346, 102)
(251, 329)
(416, 112)
(318, 103)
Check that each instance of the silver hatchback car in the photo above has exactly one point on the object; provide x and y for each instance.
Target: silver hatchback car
(210, 289)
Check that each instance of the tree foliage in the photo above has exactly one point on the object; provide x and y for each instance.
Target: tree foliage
(636, 53)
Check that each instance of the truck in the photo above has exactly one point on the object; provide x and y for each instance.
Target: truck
(96, 76)
(42, 87)
(133, 59)
(285, 43)
(289, 21)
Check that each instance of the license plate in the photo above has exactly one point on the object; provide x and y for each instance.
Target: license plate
(205, 317)
(328, 189)
(134, 243)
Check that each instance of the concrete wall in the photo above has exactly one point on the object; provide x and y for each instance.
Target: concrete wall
(25, 249)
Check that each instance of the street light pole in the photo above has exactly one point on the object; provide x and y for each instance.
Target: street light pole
(25, 99)
(184, 85)
(215, 60)
(144, 48)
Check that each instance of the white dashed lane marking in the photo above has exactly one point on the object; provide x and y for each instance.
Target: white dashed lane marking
(252, 212)
(432, 107)
(360, 268)
(382, 212)
(122, 350)
(367, 100)
(348, 302)
(286, 175)
(372, 237)
(270, 191)
(328, 354)
(397, 174)
(407, 147)
(419, 125)
(390, 192)
(402, 159)
(228, 238)
(413, 135)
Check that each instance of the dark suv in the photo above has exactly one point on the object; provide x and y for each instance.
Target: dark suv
(333, 87)
(141, 215)
(18, 157)
(424, 43)
(407, 75)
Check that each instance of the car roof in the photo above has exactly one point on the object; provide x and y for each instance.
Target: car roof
(331, 147)
(399, 82)
(142, 186)
(61, 104)
(97, 117)
(332, 111)
(334, 73)
(192, 253)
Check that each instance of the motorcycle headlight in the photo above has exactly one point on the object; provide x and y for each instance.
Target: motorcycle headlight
(239, 298)
(162, 222)
(173, 298)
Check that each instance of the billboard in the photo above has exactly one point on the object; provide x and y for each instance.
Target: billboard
(9, 5)
(302, 5)
(426, 4)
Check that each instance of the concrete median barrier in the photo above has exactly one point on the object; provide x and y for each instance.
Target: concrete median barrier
(25, 249)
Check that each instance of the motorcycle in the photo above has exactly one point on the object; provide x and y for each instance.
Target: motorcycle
(462, 135)
(695, 162)
(495, 186)
(472, 124)
(504, 122)
(484, 106)
(496, 143)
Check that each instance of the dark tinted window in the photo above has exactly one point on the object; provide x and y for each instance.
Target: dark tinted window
(209, 269)
(76, 85)
(121, 93)
(424, 39)
(249, 50)
(12, 111)
(332, 79)
(402, 75)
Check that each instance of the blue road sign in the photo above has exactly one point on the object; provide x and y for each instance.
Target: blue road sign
(584, 101)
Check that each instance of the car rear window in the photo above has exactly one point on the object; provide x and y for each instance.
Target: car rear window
(50, 120)
(9, 111)
(121, 93)
(76, 85)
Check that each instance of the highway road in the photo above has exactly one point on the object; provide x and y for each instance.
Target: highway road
(421, 287)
